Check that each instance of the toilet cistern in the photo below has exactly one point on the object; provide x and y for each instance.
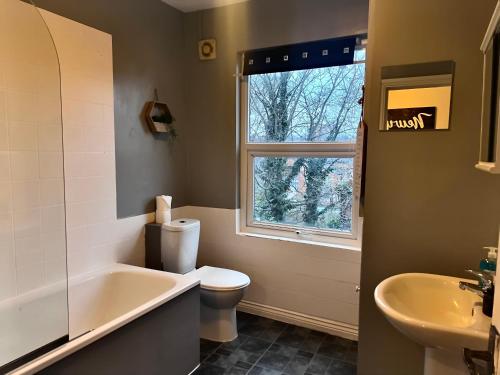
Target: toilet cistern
(221, 289)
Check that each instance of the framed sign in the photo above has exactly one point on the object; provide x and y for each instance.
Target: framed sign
(416, 97)
(420, 118)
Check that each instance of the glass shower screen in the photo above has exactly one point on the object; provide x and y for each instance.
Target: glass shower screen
(33, 271)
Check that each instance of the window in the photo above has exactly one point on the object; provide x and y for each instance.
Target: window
(298, 150)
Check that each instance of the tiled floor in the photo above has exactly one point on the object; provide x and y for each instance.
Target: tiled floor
(268, 347)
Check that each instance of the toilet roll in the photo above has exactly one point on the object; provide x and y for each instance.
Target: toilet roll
(163, 209)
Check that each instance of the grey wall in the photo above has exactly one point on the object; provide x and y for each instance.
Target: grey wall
(427, 208)
(155, 46)
(211, 86)
(147, 54)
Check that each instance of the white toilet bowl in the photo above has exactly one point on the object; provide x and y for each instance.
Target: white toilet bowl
(221, 290)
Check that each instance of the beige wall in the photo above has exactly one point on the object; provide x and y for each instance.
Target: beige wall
(427, 208)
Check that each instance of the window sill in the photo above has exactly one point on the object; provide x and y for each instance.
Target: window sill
(342, 244)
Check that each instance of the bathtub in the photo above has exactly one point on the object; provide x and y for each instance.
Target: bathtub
(126, 319)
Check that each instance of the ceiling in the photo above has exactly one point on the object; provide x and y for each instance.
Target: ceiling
(193, 5)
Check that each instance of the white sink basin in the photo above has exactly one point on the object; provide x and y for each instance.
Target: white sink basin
(433, 311)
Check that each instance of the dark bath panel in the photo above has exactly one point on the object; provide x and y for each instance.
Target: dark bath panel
(164, 341)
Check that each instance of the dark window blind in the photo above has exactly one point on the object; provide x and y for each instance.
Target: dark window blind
(310, 55)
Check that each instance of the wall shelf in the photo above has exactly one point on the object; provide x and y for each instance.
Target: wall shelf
(158, 117)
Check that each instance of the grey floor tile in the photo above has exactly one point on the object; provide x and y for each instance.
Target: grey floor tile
(243, 365)
(338, 348)
(207, 369)
(277, 357)
(318, 365)
(220, 360)
(272, 332)
(293, 336)
(244, 356)
(341, 368)
(252, 329)
(313, 341)
(299, 363)
(235, 344)
(236, 371)
(268, 347)
(255, 345)
(207, 346)
(263, 371)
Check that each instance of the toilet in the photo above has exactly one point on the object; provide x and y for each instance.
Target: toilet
(221, 289)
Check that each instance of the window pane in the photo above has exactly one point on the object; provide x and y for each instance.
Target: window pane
(311, 192)
(360, 54)
(316, 105)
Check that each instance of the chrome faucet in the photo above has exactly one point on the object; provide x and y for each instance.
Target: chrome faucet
(485, 289)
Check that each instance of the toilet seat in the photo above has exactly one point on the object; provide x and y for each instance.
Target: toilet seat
(221, 279)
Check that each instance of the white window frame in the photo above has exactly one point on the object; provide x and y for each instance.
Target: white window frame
(248, 151)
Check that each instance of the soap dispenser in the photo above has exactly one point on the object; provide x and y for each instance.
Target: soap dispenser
(490, 262)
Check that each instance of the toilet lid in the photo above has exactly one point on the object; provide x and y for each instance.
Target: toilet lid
(214, 278)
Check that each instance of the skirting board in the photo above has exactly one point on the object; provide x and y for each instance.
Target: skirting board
(331, 327)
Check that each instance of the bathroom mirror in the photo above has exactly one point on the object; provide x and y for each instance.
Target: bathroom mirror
(416, 97)
(489, 153)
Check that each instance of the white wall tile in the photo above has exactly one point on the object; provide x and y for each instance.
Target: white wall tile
(28, 250)
(52, 192)
(4, 166)
(22, 136)
(49, 138)
(24, 165)
(53, 219)
(75, 164)
(76, 190)
(83, 113)
(53, 244)
(99, 139)
(49, 110)
(25, 195)
(51, 164)
(55, 270)
(29, 277)
(4, 136)
(6, 230)
(27, 223)
(78, 240)
(2, 99)
(20, 76)
(8, 282)
(102, 210)
(101, 233)
(5, 197)
(76, 214)
(74, 139)
(17, 102)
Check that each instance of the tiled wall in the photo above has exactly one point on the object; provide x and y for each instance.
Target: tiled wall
(32, 240)
(95, 236)
(32, 211)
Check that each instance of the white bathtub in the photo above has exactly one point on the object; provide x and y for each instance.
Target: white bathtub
(105, 300)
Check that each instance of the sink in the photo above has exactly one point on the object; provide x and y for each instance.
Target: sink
(433, 311)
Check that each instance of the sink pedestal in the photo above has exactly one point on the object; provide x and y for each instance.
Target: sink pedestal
(444, 362)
